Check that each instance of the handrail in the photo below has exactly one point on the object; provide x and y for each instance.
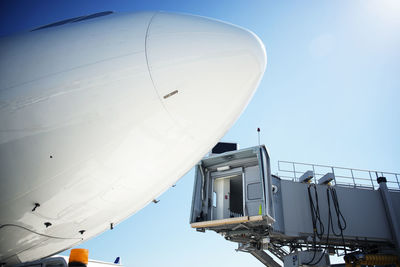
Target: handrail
(290, 170)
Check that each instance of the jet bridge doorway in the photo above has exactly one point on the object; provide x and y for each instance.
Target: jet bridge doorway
(228, 197)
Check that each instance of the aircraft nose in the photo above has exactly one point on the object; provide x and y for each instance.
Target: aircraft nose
(205, 71)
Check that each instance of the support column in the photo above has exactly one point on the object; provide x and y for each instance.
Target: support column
(390, 213)
(266, 259)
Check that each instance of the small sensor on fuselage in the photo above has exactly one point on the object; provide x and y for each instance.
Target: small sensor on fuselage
(171, 94)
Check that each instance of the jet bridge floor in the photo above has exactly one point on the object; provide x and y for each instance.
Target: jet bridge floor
(234, 223)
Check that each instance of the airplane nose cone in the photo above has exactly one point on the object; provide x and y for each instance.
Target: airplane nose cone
(205, 71)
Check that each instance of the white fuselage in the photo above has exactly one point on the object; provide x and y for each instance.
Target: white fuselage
(99, 117)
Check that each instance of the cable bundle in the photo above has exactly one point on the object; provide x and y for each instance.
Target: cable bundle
(341, 221)
(316, 220)
(318, 226)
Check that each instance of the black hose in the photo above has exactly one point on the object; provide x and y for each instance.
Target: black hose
(316, 218)
(329, 225)
(315, 213)
(341, 221)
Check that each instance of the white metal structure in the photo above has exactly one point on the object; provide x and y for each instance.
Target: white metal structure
(100, 116)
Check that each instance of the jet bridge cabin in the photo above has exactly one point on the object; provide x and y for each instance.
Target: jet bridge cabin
(232, 188)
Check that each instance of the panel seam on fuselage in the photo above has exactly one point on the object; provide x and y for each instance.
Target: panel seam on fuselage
(37, 233)
(148, 65)
(151, 75)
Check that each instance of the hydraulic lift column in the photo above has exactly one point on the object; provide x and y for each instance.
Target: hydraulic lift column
(390, 213)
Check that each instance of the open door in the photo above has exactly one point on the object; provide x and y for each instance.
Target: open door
(228, 197)
(236, 196)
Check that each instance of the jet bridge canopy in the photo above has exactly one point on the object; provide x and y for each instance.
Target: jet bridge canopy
(232, 188)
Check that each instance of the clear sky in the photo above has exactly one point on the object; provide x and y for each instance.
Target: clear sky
(330, 95)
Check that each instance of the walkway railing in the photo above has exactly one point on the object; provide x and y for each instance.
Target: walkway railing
(342, 176)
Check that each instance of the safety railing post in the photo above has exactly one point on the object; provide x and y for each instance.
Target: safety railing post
(334, 176)
(315, 176)
(352, 176)
(290, 172)
(372, 181)
(294, 172)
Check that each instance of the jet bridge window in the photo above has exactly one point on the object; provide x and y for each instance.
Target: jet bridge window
(214, 199)
(254, 191)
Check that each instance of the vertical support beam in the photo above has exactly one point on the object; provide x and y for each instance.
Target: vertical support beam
(390, 213)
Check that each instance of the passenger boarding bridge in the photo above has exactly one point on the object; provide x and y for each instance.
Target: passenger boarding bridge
(301, 215)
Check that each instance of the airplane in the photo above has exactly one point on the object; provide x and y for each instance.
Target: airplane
(101, 114)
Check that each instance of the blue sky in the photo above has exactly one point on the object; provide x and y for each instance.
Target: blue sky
(330, 95)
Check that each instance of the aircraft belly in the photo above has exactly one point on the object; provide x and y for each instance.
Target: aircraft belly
(86, 142)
